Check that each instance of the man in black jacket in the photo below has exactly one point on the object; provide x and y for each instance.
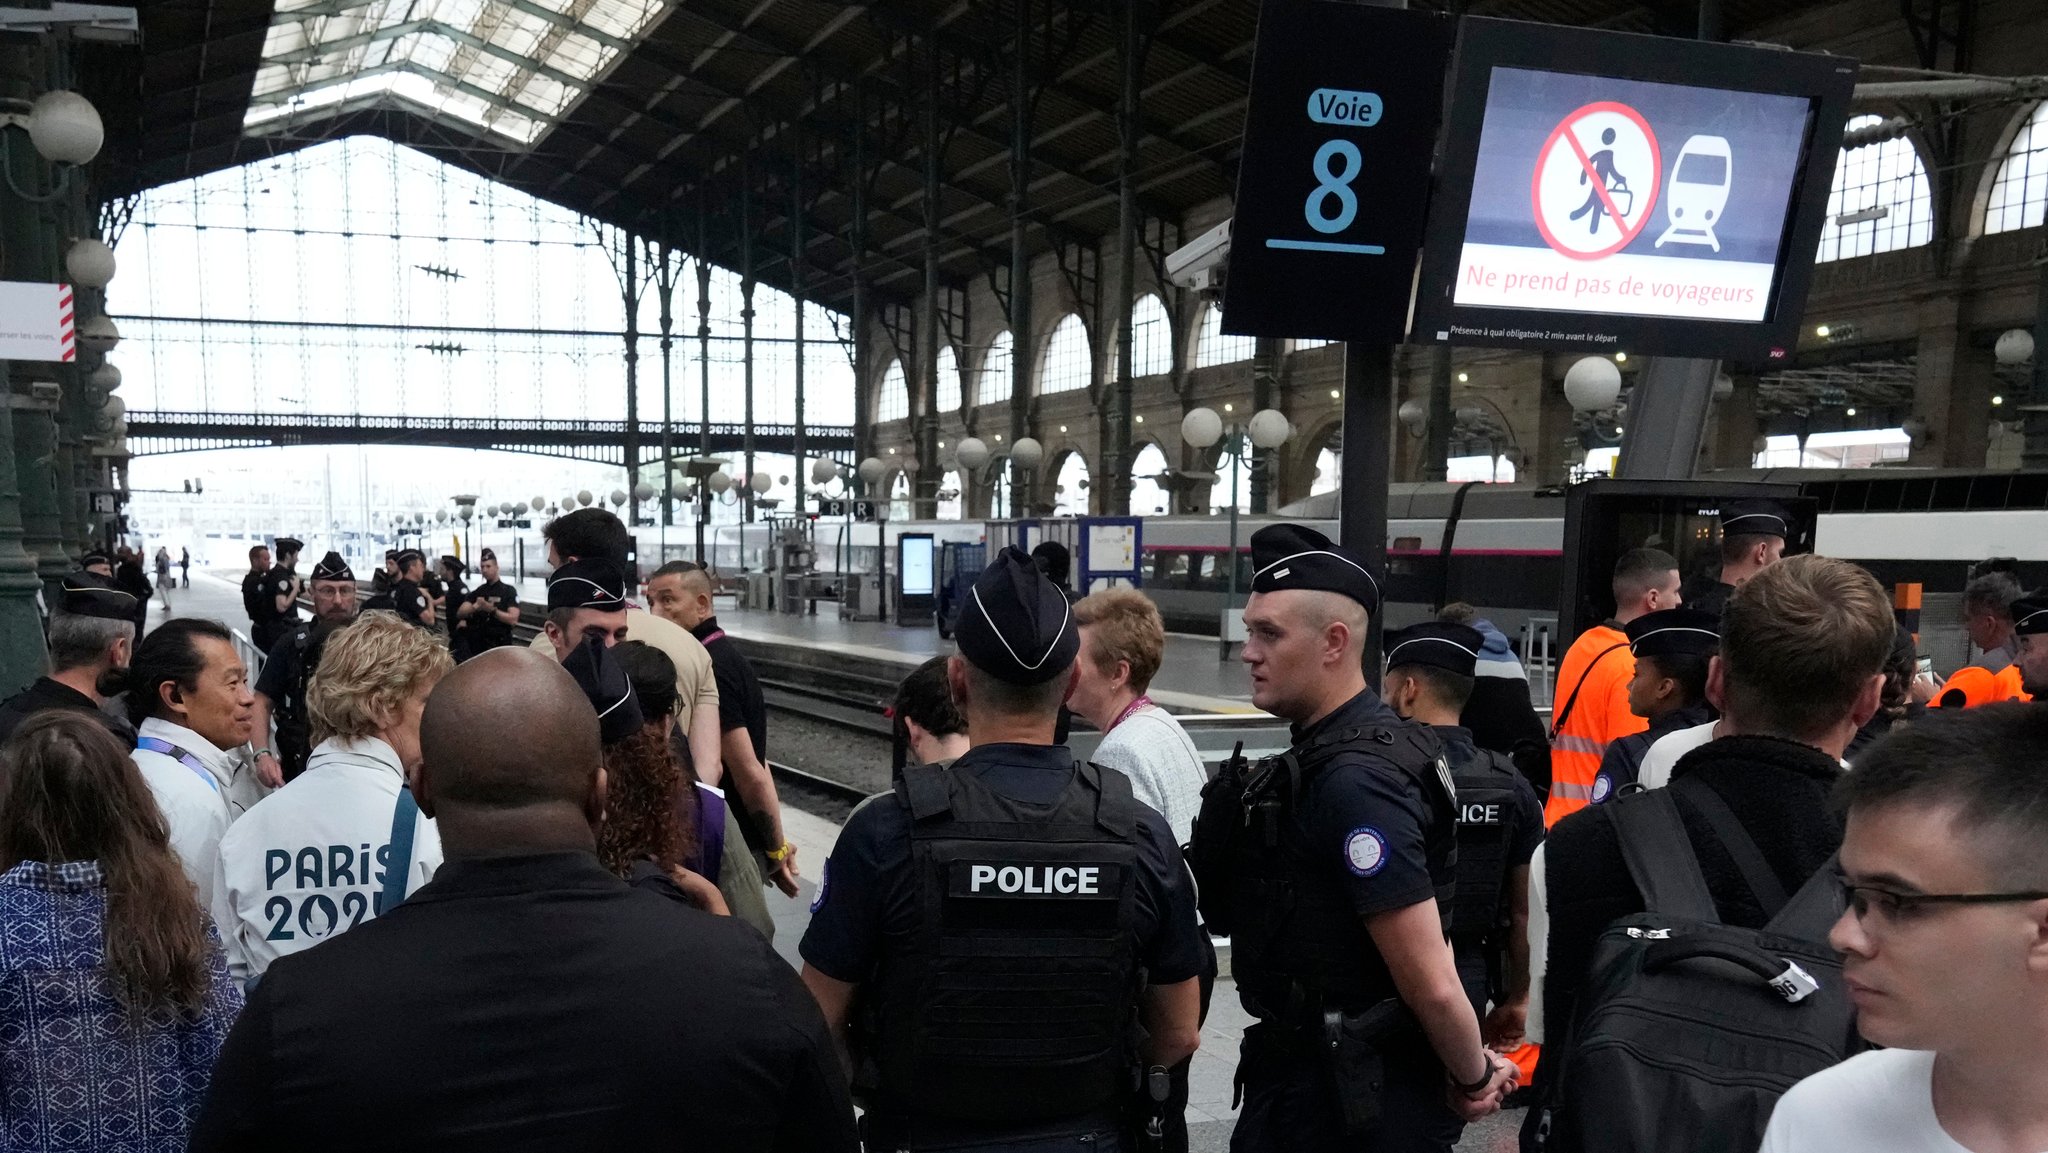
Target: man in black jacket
(1803, 646)
(527, 999)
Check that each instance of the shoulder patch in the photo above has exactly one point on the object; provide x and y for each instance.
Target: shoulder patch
(1603, 787)
(824, 879)
(1365, 851)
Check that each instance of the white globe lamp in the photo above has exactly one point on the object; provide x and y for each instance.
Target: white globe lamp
(106, 376)
(90, 263)
(1592, 384)
(539, 503)
(761, 482)
(719, 481)
(971, 452)
(871, 470)
(1724, 386)
(1027, 453)
(824, 470)
(1413, 413)
(2015, 346)
(1201, 427)
(1269, 428)
(65, 128)
(98, 333)
(910, 466)
(643, 491)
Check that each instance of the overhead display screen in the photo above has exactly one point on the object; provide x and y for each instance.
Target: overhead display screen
(1617, 192)
(1627, 197)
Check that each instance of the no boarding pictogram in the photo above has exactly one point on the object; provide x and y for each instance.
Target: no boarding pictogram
(1596, 181)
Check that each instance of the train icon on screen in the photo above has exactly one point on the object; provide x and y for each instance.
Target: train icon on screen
(1698, 192)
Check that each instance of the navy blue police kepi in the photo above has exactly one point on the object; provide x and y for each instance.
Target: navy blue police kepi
(333, 568)
(2030, 614)
(95, 557)
(1438, 644)
(590, 583)
(408, 555)
(1677, 632)
(1292, 556)
(1017, 625)
(485, 555)
(391, 554)
(88, 594)
(1764, 517)
(290, 544)
(603, 679)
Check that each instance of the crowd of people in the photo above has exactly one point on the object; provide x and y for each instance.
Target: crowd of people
(1761, 884)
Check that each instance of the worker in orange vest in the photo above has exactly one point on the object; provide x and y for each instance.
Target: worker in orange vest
(1593, 679)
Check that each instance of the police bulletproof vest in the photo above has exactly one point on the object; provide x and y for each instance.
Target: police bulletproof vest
(1486, 797)
(1296, 945)
(1014, 999)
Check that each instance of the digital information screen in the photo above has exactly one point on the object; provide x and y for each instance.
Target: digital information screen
(1621, 196)
(1608, 191)
(915, 564)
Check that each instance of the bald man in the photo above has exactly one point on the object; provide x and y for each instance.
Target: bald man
(550, 981)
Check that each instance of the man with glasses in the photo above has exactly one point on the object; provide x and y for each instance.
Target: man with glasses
(1945, 945)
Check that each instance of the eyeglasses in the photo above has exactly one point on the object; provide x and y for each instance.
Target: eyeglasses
(1897, 906)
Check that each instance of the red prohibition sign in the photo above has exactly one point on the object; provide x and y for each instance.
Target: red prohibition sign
(1563, 129)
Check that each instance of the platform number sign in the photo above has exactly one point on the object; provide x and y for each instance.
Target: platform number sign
(1345, 104)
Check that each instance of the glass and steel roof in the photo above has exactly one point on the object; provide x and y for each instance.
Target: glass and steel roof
(511, 68)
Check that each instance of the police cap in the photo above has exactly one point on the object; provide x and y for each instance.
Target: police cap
(290, 544)
(2030, 614)
(1763, 517)
(486, 555)
(408, 555)
(1438, 644)
(391, 554)
(590, 583)
(1292, 556)
(332, 568)
(1679, 632)
(88, 594)
(95, 557)
(603, 679)
(1017, 626)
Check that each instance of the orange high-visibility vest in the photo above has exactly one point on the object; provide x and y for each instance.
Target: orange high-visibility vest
(1592, 699)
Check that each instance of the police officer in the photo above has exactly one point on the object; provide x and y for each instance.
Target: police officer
(1330, 867)
(408, 599)
(1672, 648)
(488, 614)
(993, 932)
(2030, 630)
(1753, 534)
(91, 639)
(277, 598)
(252, 581)
(1430, 675)
(288, 672)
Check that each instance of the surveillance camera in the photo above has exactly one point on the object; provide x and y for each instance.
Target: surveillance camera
(1198, 264)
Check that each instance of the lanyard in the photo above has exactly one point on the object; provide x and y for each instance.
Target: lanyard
(1133, 707)
(713, 635)
(159, 745)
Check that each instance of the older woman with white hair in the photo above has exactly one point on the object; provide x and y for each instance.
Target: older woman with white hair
(343, 842)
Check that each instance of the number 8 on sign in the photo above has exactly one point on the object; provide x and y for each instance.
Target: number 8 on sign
(1329, 184)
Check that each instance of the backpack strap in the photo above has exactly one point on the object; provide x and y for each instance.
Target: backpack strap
(923, 791)
(1564, 714)
(1814, 909)
(1749, 860)
(399, 866)
(1660, 857)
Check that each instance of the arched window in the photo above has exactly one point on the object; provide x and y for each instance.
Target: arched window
(1070, 498)
(1213, 348)
(1151, 338)
(2019, 193)
(949, 381)
(1147, 498)
(894, 403)
(1879, 201)
(1227, 463)
(998, 378)
(1066, 358)
(952, 496)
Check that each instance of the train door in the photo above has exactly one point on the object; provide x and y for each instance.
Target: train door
(1605, 518)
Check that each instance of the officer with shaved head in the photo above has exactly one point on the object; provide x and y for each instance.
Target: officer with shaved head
(526, 998)
(1007, 921)
(1330, 867)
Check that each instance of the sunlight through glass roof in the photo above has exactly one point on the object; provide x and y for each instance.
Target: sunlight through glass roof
(509, 67)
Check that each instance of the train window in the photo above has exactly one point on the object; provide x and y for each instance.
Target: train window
(1173, 566)
(1952, 492)
(2028, 490)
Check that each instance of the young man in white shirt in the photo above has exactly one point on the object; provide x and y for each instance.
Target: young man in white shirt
(1945, 945)
(1123, 642)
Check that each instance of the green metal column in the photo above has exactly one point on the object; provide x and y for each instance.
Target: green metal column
(22, 240)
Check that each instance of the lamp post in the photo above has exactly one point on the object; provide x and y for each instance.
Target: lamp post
(1202, 427)
(465, 507)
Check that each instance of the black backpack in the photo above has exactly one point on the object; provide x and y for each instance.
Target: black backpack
(1688, 1030)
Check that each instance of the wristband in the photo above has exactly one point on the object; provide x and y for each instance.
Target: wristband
(1486, 1078)
(262, 753)
(782, 854)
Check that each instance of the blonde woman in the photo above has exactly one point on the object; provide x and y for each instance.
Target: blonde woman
(330, 849)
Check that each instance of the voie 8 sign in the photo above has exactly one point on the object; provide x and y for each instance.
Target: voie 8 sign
(1345, 103)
